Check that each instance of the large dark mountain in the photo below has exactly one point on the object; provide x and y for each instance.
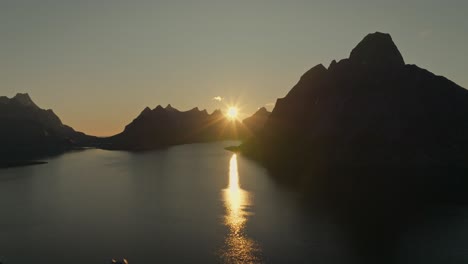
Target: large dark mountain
(28, 131)
(162, 127)
(369, 126)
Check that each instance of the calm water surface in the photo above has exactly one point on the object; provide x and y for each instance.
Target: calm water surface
(187, 204)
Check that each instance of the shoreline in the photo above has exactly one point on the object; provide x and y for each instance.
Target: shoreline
(14, 164)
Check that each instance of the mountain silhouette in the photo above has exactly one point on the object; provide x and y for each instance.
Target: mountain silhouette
(162, 127)
(256, 122)
(29, 131)
(369, 126)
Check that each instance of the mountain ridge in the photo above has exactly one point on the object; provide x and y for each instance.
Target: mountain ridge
(366, 113)
(29, 131)
(166, 126)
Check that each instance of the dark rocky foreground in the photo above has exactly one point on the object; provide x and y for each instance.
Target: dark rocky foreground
(379, 145)
(369, 128)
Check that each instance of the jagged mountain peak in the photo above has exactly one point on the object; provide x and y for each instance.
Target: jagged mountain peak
(364, 114)
(159, 108)
(195, 109)
(377, 49)
(170, 108)
(24, 99)
(217, 112)
(145, 111)
(261, 110)
(22, 96)
(314, 71)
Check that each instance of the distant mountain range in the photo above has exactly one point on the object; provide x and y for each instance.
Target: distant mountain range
(28, 131)
(369, 124)
(161, 127)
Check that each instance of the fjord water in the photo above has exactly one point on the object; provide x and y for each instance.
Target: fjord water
(194, 203)
(190, 203)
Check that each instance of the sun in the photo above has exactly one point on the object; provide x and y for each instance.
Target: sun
(232, 112)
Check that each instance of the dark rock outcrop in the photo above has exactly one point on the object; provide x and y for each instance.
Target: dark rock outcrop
(162, 127)
(27, 131)
(369, 127)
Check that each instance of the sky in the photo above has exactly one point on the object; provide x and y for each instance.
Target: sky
(99, 63)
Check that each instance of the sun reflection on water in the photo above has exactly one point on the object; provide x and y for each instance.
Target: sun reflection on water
(238, 247)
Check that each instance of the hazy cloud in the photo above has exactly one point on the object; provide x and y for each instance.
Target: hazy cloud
(270, 104)
(218, 98)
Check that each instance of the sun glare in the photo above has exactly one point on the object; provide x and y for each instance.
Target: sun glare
(232, 112)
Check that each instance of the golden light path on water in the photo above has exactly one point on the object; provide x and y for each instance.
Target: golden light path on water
(238, 247)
